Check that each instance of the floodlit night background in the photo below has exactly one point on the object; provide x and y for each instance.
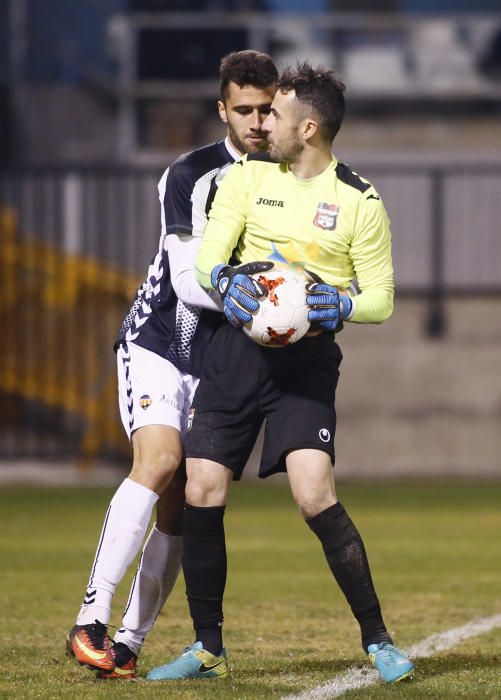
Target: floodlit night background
(97, 98)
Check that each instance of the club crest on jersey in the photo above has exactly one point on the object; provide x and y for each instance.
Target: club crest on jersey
(326, 216)
(145, 401)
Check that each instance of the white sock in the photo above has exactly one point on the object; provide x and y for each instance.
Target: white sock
(121, 537)
(155, 578)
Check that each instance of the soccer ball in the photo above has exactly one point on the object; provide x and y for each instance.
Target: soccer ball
(282, 317)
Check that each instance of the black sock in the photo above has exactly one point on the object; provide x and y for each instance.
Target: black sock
(204, 567)
(345, 553)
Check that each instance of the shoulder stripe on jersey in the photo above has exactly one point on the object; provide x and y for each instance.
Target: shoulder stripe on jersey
(346, 175)
(211, 195)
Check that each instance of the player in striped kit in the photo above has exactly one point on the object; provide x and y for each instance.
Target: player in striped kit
(160, 350)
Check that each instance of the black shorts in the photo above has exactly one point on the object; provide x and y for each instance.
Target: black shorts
(242, 383)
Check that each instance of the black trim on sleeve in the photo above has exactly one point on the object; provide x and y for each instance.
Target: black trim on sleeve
(182, 178)
(211, 195)
(346, 175)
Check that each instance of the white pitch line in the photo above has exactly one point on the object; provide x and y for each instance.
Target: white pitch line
(357, 677)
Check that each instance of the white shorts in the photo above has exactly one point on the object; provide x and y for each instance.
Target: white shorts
(151, 391)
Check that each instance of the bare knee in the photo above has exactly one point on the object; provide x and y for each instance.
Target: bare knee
(311, 479)
(311, 504)
(156, 471)
(202, 494)
(208, 483)
(157, 455)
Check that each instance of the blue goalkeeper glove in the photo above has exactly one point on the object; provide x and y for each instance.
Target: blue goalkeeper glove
(240, 292)
(328, 308)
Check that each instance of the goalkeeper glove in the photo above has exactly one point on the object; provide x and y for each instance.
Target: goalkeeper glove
(328, 308)
(239, 291)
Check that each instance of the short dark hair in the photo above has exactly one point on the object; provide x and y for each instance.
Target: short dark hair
(320, 89)
(246, 68)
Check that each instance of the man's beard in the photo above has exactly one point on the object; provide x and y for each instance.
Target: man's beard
(288, 151)
(246, 147)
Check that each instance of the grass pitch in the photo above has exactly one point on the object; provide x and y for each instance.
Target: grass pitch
(434, 552)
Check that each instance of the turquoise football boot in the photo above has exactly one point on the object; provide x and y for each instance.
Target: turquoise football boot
(392, 664)
(195, 662)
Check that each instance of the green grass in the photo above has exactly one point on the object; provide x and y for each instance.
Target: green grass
(434, 551)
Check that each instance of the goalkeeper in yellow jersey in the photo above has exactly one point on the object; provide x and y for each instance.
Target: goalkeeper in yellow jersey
(295, 205)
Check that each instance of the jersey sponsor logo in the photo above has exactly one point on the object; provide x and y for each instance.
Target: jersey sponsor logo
(168, 400)
(373, 196)
(324, 435)
(270, 202)
(326, 216)
(145, 401)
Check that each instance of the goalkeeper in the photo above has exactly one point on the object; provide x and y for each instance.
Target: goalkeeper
(297, 205)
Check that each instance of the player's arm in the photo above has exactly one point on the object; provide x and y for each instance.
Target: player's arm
(179, 238)
(227, 219)
(371, 257)
(182, 251)
(238, 291)
(370, 252)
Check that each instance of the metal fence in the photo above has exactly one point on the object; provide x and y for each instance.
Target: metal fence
(74, 242)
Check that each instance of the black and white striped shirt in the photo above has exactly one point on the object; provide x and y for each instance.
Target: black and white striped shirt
(158, 320)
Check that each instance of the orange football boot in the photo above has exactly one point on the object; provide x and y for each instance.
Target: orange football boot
(91, 646)
(125, 663)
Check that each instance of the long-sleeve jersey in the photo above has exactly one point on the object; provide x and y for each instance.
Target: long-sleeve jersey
(334, 224)
(159, 320)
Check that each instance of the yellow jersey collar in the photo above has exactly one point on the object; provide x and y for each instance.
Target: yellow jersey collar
(307, 181)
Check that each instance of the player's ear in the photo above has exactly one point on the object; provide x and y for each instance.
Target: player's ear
(222, 111)
(310, 128)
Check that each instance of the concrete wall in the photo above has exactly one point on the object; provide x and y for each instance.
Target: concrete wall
(409, 405)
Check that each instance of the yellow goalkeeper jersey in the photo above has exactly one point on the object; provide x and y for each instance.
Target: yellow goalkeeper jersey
(334, 224)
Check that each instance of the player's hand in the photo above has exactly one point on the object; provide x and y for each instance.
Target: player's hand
(240, 292)
(327, 306)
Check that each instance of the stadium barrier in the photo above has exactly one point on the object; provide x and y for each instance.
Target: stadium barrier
(56, 348)
(75, 241)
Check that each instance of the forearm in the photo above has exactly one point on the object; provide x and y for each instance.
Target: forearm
(209, 256)
(226, 224)
(371, 258)
(373, 305)
(182, 251)
(218, 243)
